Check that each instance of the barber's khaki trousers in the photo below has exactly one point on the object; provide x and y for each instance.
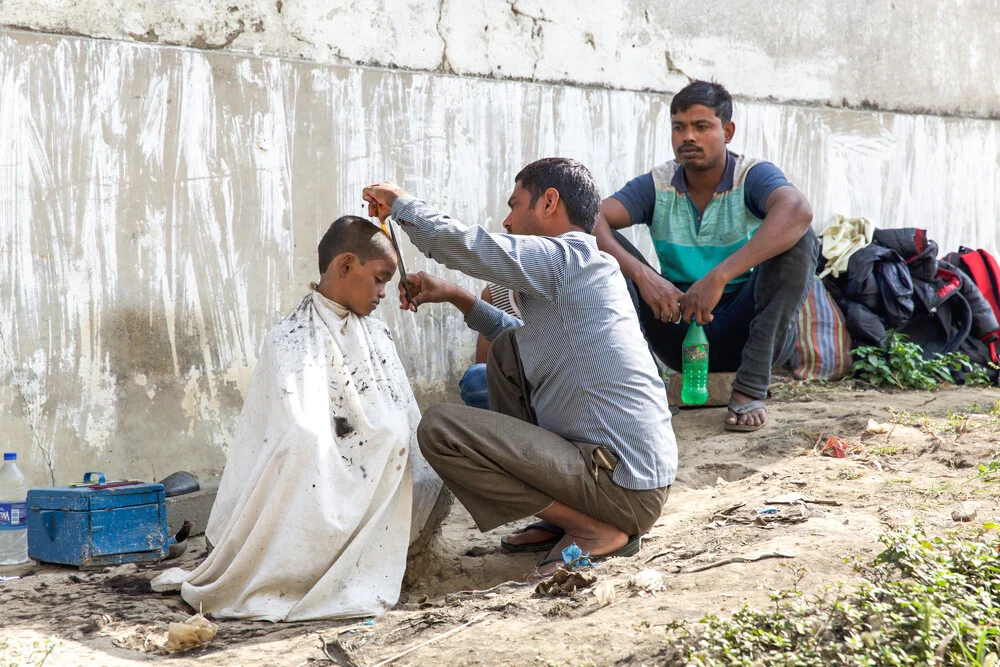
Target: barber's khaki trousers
(502, 467)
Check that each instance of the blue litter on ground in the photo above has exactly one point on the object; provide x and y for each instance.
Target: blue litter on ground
(370, 621)
(574, 558)
(767, 510)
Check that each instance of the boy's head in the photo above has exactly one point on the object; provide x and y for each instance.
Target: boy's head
(356, 262)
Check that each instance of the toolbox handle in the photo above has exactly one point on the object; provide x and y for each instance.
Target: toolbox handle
(87, 479)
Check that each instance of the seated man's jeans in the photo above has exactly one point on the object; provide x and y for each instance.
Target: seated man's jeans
(753, 328)
(473, 387)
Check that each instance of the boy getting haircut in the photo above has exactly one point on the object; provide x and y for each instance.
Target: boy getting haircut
(324, 483)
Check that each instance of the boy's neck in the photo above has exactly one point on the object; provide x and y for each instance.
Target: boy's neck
(326, 288)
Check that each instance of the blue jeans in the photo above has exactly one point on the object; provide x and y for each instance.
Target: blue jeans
(473, 387)
(752, 329)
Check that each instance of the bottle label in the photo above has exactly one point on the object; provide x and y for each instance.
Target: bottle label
(694, 352)
(13, 515)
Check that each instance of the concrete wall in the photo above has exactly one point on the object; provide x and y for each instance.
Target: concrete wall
(159, 210)
(914, 56)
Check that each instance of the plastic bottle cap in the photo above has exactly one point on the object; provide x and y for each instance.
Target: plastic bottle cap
(9, 456)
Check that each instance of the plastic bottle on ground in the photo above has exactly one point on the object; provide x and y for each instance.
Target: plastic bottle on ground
(694, 366)
(13, 512)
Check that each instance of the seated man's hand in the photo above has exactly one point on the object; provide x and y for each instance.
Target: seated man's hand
(662, 296)
(702, 298)
(426, 288)
(380, 198)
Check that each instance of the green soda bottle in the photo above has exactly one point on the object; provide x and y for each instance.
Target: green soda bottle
(694, 366)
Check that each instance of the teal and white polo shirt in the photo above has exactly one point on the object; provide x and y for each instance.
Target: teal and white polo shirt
(689, 243)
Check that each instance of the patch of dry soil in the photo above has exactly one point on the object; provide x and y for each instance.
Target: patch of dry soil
(923, 467)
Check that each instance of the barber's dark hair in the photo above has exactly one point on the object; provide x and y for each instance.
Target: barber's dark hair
(574, 183)
(706, 93)
(351, 233)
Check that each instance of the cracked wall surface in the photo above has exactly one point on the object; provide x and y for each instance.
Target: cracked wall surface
(922, 56)
(160, 210)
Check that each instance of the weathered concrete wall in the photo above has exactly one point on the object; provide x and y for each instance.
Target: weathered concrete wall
(159, 211)
(916, 56)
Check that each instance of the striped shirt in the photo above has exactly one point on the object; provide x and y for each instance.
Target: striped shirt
(591, 374)
(503, 298)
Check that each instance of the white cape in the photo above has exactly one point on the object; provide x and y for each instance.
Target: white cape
(313, 515)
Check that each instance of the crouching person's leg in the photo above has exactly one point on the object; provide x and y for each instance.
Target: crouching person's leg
(502, 469)
(779, 288)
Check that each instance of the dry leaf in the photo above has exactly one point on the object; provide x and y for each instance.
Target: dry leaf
(876, 427)
(563, 581)
(605, 593)
(647, 581)
(192, 633)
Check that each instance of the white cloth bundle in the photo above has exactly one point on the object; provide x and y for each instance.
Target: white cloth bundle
(842, 239)
(313, 515)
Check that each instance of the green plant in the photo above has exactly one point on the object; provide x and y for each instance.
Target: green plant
(15, 653)
(923, 601)
(902, 364)
(991, 467)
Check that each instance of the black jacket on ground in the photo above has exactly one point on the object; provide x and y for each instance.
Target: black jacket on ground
(898, 283)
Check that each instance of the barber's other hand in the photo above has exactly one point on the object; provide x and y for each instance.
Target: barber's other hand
(425, 288)
(661, 295)
(702, 298)
(380, 198)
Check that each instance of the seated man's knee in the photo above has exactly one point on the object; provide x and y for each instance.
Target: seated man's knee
(794, 269)
(498, 350)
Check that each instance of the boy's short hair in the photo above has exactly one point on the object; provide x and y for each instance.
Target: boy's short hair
(354, 234)
(706, 93)
(574, 183)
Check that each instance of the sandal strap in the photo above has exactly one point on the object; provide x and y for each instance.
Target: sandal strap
(746, 408)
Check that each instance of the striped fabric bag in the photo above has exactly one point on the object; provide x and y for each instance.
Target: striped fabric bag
(822, 344)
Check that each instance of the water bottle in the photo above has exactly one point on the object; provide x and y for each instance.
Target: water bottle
(694, 366)
(13, 512)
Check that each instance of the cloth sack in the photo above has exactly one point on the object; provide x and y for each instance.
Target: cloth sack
(324, 486)
(822, 344)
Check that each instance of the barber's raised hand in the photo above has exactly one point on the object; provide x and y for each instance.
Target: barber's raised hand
(701, 299)
(380, 198)
(425, 288)
(661, 295)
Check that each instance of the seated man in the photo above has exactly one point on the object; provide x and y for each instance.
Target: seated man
(324, 487)
(578, 432)
(735, 246)
(473, 383)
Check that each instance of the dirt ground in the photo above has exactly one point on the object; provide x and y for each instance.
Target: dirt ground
(922, 463)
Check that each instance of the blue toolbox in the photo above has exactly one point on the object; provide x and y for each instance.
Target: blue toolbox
(97, 523)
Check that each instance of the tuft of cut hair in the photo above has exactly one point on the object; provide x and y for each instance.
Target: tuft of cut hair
(354, 234)
(706, 93)
(574, 183)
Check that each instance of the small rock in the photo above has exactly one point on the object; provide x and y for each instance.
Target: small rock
(964, 512)
(799, 482)
(470, 564)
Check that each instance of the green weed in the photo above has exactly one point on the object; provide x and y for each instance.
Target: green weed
(902, 364)
(923, 601)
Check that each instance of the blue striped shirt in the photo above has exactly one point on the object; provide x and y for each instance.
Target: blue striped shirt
(591, 373)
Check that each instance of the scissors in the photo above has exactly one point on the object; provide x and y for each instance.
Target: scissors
(390, 231)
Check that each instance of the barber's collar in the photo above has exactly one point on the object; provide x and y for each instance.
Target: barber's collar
(726, 184)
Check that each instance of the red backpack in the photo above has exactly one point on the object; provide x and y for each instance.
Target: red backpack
(982, 267)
